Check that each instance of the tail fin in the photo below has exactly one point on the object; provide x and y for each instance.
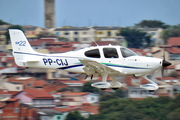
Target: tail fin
(19, 41)
(21, 48)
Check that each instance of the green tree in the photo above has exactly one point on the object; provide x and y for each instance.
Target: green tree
(167, 33)
(3, 23)
(136, 38)
(7, 32)
(119, 93)
(152, 24)
(74, 116)
(88, 88)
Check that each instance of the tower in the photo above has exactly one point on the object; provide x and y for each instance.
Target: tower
(49, 14)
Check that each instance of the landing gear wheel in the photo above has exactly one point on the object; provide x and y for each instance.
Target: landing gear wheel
(151, 90)
(103, 88)
(115, 88)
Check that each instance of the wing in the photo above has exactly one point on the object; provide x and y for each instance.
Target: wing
(95, 68)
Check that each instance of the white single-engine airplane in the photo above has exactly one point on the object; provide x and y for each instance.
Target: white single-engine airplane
(98, 61)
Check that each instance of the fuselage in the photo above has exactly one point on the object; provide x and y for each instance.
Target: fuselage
(116, 57)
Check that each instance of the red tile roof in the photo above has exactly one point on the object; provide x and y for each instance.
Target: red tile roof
(167, 78)
(76, 94)
(56, 43)
(3, 54)
(13, 99)
(64, 109)
(33, 43)
(173, 50)
(38, 94)
(175, 41)
(100, 43)
(39, 83)
(60, 49)
(90, 109)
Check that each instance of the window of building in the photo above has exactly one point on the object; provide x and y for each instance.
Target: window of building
(1, 111)
(93, 53)
(109, 33)
(16, 110)
(57, 33)
(110, 53)
(17, 88)
(58, 117)
(76, 33)
(84, 33)
(76, 39)
(66, 33)
(153, 33)
(29, 85)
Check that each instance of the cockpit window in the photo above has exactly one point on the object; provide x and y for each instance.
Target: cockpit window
(93, 53)
(110, 53)
(127, 53)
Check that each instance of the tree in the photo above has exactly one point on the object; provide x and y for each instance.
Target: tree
(7, 32)
(136, 38)
(152, 24)
(166, 34)
(3, 23)
(119, 93)
(88, 88)
(74, 116)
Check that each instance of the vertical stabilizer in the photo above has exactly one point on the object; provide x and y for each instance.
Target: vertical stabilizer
(22, 50)
(19, 41)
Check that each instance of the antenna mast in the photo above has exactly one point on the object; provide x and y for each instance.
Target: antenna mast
(93, 40)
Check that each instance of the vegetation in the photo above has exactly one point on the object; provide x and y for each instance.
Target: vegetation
(88, 88)
(136, 38)
(74, 116)
(174, 31)
(7, 32)
(152, 24)
(162, 108)
(3, 23)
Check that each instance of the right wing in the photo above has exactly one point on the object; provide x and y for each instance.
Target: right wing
(96, 68)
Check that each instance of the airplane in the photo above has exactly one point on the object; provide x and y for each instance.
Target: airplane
(108, 60)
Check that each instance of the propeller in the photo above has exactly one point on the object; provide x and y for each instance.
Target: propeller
(164, 64)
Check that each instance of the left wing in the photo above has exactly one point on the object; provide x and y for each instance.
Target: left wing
(96, 68)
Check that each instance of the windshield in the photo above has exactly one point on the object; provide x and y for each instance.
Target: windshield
(127, 52)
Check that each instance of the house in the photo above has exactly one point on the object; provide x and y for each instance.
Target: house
(81, 34)
(12, 110)
(64, 111)
(87, 110)
(27, 82)
(36, 98)
(135, 92)
(74, 85)
(155, 34)
(171, 54)
(174, 41)
(49, 114)
(4, 95)
(32, 31)
(79, 98)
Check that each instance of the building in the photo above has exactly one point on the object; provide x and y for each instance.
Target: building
(37, 98)
(79, 98)
(12, 110)
(49, 14)
(155, 34)
(86, 34)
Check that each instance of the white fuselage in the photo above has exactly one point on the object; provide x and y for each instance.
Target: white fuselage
(69, 61)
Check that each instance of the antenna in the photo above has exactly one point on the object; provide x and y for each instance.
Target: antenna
(93, 40)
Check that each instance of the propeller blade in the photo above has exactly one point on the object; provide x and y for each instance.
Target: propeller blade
(91, 77)
(86, 77)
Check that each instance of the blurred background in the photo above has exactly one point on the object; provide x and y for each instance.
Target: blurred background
(148, 27)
